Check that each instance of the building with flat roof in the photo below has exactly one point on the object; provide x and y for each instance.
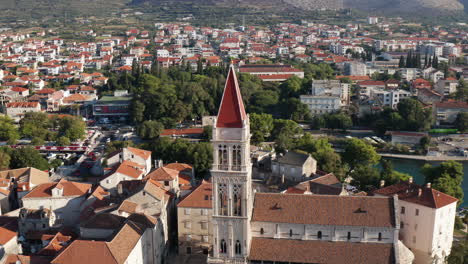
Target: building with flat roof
(113, 107)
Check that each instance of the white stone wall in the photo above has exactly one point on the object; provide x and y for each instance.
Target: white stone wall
(196, 218)
(66, 209)
(329, 233)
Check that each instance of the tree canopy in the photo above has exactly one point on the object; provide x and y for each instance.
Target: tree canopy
(446, 177)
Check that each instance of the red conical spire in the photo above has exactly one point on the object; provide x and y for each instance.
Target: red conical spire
(231, 111)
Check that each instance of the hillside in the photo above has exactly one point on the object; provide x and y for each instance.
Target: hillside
(381, 6)
(41, 8)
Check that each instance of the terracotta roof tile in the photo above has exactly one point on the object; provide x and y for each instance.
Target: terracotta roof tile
(201, 197)
(315, 251)
(414, 193)
(130, 169)
(324, 210)
(163, 174)
(145, 154)
(69, 189)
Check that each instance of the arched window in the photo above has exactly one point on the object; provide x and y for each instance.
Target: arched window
(290, 233)
(319, 235)
(223, 248)
(236, 158)
(262, 231)
(238, 248)
(222, 157)
(380, 237)
(237, 202)
(349, 235)
(222, 193)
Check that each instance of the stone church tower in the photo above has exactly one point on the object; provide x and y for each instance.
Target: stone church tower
(231, 177)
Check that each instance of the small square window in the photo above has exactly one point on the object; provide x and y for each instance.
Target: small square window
(402, 210)
(187, 211)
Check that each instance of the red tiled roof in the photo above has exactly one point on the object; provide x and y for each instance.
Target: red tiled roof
(179, 132)
(69, 189)
(231, 111)
(316, 251)
(274, 76)
(201, 197)
(453, 104)
(129, 168)
(163, 174)
(22, 105)
(145, 154)
(324, 210)
(371, 82)
(414, 193)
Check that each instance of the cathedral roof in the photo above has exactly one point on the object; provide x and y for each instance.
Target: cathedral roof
(231, 111)
(324, 210)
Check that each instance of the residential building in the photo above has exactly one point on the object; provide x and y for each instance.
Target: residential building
(389, 98)
(63, 198)
(124, 171)
(271, 69)
(426, 219)
(446, 112)
(294, 166)
(8, 236)
(194, 218)
(14, 184)
(355, 68)
(31, 220)
(322, 104)
(139, 156)
(446, 87)
(17, 110)
(137, 241)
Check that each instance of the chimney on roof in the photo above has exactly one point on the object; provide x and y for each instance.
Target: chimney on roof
(307, 191)
(419, 192)
(410, 180)
(382, 183)
(428, 185)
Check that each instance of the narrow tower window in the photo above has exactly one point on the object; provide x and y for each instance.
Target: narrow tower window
(222, 157)
(223, 203)
(236, 158)
(223, 248)
(319, 235)
(238, 248)
(237, 202)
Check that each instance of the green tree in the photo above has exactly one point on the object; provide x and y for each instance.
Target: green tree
(461, 123)
(28, 157)
(138, 111)
(4, 160)
(37, 141)
(365, 178)
(201, 157)
(416, 117)
(73, 128)
(284, 132)
(150, 129)
(389, 175)
(114, 146)
(322, 151)
(63, 141)
(424, 142)
(359, 153)
(401, 63)
(35, 124)
(338, 121)
(207, 133)
(447, 178)
(459, 252)
(261, 126)
(8, 130)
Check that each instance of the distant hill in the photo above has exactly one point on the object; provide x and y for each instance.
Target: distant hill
(381, 6)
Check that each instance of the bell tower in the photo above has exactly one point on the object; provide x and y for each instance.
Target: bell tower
(231, 177)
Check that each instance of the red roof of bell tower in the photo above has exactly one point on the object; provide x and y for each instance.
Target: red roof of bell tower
(231, 111)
